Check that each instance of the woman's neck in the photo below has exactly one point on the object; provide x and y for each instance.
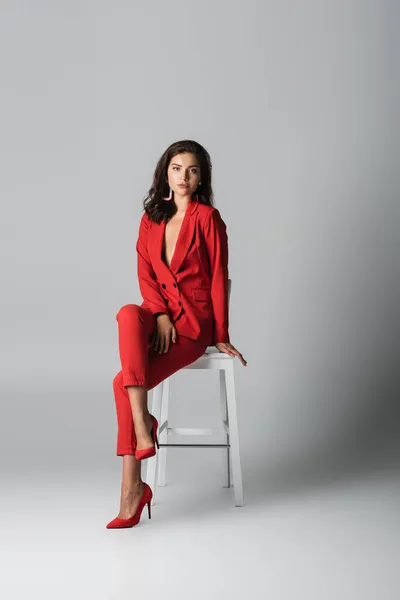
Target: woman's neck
(182, 204)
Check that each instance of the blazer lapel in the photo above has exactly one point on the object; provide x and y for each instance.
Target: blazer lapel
(185, 237)
(155, 245)
(186, 232)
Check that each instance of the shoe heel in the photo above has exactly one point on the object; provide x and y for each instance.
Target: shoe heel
(149, 509)
(154, 432)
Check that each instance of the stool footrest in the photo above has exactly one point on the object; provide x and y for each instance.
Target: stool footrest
(193, 431)
(194, 445)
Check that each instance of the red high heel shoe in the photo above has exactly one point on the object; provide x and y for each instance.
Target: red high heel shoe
(119, 523)
(148, 452)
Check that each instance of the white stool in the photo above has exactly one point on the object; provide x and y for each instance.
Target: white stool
(211, 359)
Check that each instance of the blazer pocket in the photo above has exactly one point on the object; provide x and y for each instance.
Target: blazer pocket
(201, 295)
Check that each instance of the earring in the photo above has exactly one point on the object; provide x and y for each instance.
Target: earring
(170, 195)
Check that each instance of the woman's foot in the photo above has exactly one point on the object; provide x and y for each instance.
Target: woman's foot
(130, 499)
(143, 432)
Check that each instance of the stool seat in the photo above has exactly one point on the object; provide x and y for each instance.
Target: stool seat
(214, 350)
(156, 466)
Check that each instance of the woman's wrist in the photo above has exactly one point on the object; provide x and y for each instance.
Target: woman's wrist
(160, 314)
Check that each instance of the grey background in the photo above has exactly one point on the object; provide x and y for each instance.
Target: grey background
(294, 103)
(297, 104)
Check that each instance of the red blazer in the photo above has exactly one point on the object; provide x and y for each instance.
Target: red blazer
(194, 291)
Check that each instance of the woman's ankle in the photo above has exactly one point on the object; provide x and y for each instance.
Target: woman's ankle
(126, 488)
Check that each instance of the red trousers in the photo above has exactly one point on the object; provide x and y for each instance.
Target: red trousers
(142, 366)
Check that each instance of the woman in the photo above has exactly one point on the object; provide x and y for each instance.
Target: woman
(182, 252)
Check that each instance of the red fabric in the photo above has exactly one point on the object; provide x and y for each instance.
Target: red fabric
(142, 366)
(194, 290)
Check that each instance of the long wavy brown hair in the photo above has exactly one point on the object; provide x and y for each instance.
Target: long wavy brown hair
(154, 205)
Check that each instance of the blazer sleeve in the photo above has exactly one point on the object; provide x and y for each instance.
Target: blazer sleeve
(146, 275)
(217, 245)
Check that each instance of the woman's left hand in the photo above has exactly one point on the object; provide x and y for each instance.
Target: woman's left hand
(231, 350)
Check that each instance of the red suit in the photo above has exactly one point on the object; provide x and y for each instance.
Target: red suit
(193, 291)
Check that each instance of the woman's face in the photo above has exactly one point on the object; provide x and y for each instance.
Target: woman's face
(184, 174)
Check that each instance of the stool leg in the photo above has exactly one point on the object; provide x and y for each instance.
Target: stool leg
(234, 434)
(162, 459)
(224, 416)
(151, 467)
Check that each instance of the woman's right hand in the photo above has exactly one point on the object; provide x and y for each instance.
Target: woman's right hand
(164, 334)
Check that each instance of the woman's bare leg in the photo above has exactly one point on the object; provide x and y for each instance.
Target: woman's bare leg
(142, 420)
(132, 486)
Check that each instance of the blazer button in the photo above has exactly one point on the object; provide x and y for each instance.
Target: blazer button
(163, 285)
(174, 284)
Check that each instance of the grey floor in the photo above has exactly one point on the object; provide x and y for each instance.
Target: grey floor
(327, 532)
